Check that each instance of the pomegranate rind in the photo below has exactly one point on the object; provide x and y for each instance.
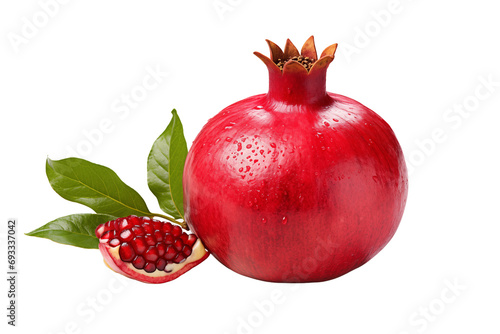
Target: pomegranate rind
(113, 261)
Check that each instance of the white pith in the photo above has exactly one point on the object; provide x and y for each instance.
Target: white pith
(198, 252)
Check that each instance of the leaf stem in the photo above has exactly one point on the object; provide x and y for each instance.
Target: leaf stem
(172, 220)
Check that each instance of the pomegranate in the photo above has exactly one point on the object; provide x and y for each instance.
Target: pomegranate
(149, 250)
(299, 184)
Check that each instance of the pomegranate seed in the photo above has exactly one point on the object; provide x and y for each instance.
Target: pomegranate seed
(125, 224)
(126, 235)
(139, 262)
(137, 230)
(149, 267)
(139, 244)
(184, 237)
(134, 220)
(161, 264)
(99, 231)
(150, 240)
(178, 245)
(169, 239)
(158, 236)
(108, 235)
(167, 228)
(170, 253)
(126, 252)
(157, 225)
(187, 251)
(114, 242)
(151, 255)
(176, 231)
(179, 258)
(161, 249)
(109, 225)
(191, 240)
(148, 228)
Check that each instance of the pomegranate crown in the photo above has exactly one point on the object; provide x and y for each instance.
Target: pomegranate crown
(292, 61)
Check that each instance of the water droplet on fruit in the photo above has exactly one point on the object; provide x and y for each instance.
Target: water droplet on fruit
(263, 220)
(239, 146)
(249, 146)
(259, 107)
(326, 124)
(284, 220)
(375, 178)
(217, 140)
(241, 169)
(273, 145)
(335, 120)
(229, 139)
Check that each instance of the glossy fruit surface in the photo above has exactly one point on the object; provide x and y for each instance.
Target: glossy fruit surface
(296, 185)
(148, 250)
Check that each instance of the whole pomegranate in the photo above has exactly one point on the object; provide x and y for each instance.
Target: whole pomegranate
(299, 184)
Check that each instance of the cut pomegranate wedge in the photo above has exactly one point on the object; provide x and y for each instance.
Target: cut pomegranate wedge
(149, 250)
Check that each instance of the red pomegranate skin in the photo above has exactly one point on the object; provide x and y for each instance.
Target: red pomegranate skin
(296, 185)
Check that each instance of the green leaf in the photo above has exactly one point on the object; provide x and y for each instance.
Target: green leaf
(74, 230)
(165, 167)
(95, 186)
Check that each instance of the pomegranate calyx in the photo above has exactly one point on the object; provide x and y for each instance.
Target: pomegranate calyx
(309, 49)
(290, 50)
(287, 61)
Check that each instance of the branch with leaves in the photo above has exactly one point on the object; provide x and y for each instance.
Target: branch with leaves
(99, 188)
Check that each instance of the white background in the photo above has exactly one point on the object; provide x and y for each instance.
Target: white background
(416, 66)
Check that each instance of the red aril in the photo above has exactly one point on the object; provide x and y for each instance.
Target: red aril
(299, 184)
(149, 250)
